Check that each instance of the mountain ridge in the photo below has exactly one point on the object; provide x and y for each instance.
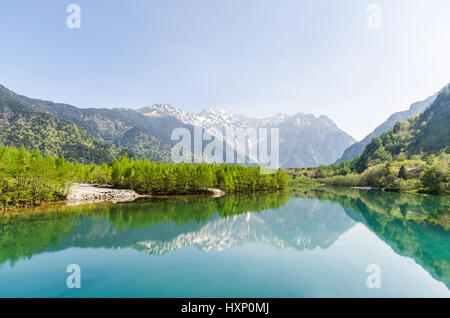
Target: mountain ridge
(104, 124)
(358, 147)
(305, 140)
(428, 132)
(50, 135)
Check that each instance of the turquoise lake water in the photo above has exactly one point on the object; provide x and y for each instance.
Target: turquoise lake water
(313, 244)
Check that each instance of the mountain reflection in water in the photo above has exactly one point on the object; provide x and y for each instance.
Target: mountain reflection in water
(306, 221)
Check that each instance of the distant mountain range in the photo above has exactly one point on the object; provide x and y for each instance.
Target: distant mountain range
(100, 134)
(305, 140)
(358, 147)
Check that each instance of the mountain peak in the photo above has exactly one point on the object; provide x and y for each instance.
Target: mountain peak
(223, 118)
(166, 110)
(216, 112)
(325, 119)
(280, 115)
(157, 109)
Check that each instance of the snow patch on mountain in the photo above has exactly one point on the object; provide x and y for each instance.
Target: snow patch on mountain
(219, 118)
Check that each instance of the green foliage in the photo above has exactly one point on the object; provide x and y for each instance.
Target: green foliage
(434, 181)
(398, 176)
(146, 177)
(82, 135)
(144, 145)
(395, 161)
(435, 133)
(350, 180)
(298, 181)
(51, 136)
(427, 133)
(374, 153)
(30, 179)
(402, 173)
(428, 158)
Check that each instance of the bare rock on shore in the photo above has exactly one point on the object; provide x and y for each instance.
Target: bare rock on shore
(86, 193)
(216, 192)
(365, 188)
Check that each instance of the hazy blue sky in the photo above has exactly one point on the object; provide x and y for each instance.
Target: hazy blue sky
(254, 57)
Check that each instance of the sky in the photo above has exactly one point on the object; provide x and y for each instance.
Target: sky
(253, 57)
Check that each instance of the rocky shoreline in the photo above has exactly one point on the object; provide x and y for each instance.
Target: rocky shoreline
(88, 193)
(216, 192)
(365, 188)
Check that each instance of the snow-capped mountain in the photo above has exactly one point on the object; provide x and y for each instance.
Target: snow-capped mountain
(305, 140)
(165, 110)
(220, 118)
(207, 118)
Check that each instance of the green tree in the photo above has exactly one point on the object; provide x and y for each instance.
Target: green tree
(402, 173)
(433, 181)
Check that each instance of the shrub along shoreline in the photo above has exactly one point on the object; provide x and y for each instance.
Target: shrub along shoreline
(426, 173)
(29, 179)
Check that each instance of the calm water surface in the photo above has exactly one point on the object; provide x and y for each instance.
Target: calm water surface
(313, 244)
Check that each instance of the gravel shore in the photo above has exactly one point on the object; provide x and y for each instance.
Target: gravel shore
(86, 193)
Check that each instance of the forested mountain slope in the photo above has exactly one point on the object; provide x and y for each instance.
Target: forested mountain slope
(108, 125)
(428, 132)
(358, 147)
(50, 135)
